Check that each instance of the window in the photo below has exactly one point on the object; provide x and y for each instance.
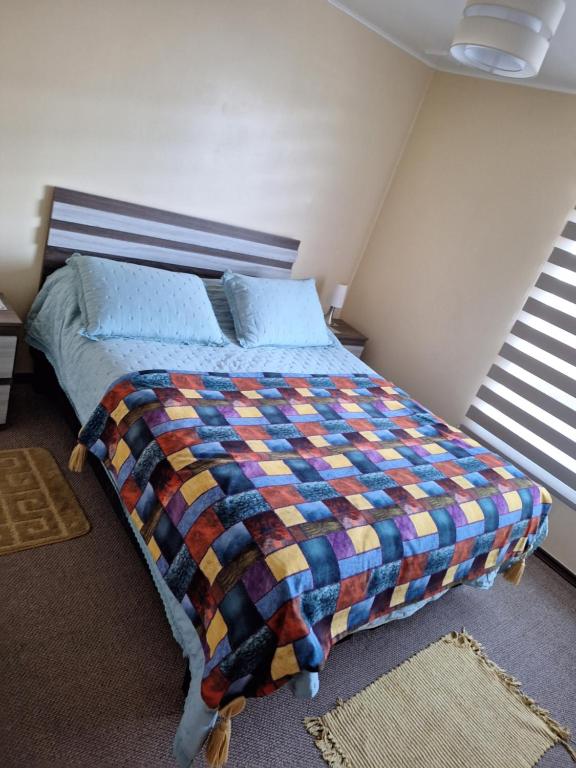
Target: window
(526, 407)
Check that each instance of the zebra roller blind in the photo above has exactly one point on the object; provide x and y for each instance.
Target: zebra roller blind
(526, 407)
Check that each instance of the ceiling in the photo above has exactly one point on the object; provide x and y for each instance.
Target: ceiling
(425, 28)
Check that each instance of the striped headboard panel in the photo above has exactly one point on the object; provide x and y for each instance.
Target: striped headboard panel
(100, 226)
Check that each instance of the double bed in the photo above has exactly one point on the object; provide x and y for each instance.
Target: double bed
(355, 504)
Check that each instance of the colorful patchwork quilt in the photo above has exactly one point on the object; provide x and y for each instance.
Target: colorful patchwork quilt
(285, 511)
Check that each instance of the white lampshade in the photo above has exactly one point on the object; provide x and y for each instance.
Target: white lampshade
(509, 39)
(339, 296)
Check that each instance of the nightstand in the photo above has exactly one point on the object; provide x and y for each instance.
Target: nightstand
(10, 328)
(349, 337)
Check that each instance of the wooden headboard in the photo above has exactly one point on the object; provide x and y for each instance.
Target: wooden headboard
(100, 226)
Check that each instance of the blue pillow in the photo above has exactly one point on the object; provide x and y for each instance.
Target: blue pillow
(119, 299)
(275, 313)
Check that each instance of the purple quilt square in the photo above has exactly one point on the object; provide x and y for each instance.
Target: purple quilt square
(258, 580)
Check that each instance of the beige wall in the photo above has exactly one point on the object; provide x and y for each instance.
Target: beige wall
(283, 116)
(482, 190)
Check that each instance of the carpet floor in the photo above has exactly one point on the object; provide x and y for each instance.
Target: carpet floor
(90, 675)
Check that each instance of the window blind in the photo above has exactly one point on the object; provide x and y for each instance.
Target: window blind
(526, 406)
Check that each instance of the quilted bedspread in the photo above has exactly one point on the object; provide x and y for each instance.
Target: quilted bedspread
(286, 511)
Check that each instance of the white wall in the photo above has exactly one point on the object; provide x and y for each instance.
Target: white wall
(287, 117)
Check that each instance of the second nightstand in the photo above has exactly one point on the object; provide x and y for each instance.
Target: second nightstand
(349, 337)
(10, 327)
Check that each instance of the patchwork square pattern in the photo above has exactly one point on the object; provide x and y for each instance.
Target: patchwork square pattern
(286, 511)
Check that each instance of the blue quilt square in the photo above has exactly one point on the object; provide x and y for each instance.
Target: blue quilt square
(320, 602)
(168, 537)
(491, 514)
(445, 525)
(416, 589)
(233, 509)
(379, 499)
(439, 560)
(321, 561)
(314, 510)
(273, 414)
(375, 480)
(383, 578)
(316, 491)
(304, 471)
(360, 613)
(210, 416)
(229, 545)
(240, 614)
(390, 540)
(230, 478)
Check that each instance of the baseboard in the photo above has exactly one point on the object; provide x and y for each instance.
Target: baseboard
(557, 566)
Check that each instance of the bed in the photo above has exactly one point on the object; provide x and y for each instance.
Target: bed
(368, 506)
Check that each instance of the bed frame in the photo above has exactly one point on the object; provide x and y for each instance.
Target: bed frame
(113, 229)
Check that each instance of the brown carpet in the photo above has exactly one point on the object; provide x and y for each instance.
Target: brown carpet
(37, 505)
(91, 675)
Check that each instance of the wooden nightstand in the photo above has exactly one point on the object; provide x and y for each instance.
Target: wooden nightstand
(349, 337)
(10, 329)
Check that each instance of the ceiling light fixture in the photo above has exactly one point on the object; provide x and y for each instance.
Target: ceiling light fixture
(510, 38)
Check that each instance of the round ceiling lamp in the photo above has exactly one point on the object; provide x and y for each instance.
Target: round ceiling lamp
(509, 38)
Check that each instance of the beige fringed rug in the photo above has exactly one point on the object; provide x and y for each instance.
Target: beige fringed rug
(448, 706)
(37, 506)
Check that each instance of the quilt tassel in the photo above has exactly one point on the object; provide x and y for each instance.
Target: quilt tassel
(218, 742)
(515, 572)
(77, 458)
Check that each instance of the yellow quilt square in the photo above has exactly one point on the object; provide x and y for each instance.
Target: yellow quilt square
(258, 446)
(364, 538)
(275, 468)
(492, 558)
(513, 501)
(399, 594)
(318, 441)
(191, 393)
(389, 454)
(473, 511)
(247, 412)
(181, 412)
(370, 436)
(305, 409)
(154, 549)
(181, 458)
(503, 472)
(216, 631)
(121, 454)
(449, 575)
(339, 461)
(304, 391)
(394, 405)
(284, 562)
(414, 432)
(433, 448)
(359, 501)
(415, 491)
(136, 519)
(119, 412)
(463, 482)
(251, 394)
(521, 544)
(210, 565)
(339, 622)
(290, 515)
(424, 523)
(284, 662)
(352, 407)
(197, 485)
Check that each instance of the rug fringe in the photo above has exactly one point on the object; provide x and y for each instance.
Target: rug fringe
(325, 742)
(562, 735)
